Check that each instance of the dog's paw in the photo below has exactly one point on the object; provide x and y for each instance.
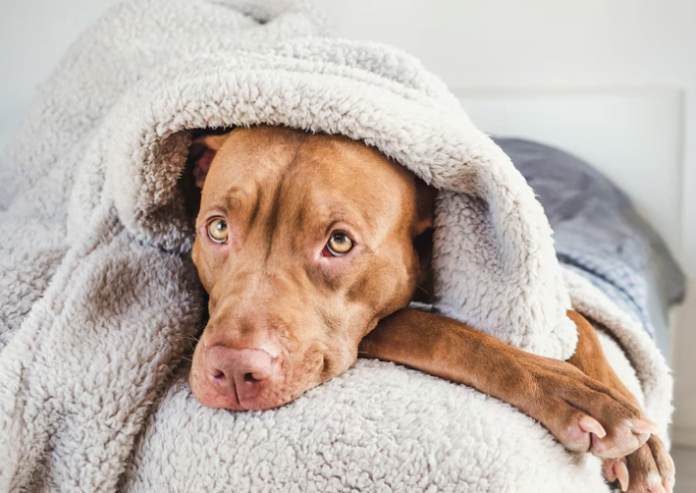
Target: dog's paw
(587, 416)
(650, 469)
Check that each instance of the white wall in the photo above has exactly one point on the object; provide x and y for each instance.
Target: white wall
(469, 43)
(33, 36)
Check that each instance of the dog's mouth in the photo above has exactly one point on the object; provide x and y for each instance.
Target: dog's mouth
(217, 393)
(249, 395)
(250, 379)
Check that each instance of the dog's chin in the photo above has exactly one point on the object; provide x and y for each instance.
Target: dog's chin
(272, 392)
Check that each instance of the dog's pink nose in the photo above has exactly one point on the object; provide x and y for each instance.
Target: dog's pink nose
(239, 372)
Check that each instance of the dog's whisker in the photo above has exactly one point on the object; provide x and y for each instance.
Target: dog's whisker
(423, 290)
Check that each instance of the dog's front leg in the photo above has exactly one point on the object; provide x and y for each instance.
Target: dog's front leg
(583, 414)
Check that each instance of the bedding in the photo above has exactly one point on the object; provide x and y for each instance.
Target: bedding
(599, 234)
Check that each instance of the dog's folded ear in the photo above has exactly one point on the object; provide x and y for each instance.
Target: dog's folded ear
(423, 240)
(202, 152)
(425, 196)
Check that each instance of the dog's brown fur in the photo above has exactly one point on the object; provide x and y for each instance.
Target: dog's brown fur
(285, 316)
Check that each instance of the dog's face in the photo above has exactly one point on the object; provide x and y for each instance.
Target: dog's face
(303, 243)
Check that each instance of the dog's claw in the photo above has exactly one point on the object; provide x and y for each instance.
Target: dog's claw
(658, 489)
(651, 468)
(669, 481)
(669, 484)
(591, 425)
(616, 470)
(621, 472)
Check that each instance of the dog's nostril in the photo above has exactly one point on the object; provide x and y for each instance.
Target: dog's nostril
(217, 375)
(249, 377)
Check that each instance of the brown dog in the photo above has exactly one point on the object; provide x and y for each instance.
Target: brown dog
(312, 246)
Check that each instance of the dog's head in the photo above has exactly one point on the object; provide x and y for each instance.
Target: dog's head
(304, 242)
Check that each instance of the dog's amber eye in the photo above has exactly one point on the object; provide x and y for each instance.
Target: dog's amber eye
(339, 244)
(217, 230)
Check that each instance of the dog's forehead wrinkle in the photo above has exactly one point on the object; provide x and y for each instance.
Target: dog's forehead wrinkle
(271, 223)
(256, 207)
(215, 200)
(361, 200)
(321, 210)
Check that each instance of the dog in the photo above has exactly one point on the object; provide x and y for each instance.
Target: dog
(311, 248)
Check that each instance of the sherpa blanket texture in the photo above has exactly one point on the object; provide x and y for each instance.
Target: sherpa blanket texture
(599, 234)
(100, 301)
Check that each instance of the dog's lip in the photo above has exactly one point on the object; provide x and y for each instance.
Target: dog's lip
(210, 390)
(207, 395)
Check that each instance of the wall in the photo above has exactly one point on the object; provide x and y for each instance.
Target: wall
(33, 36)
(469, 43)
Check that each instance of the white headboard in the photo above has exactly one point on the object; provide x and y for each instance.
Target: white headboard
(632, 135)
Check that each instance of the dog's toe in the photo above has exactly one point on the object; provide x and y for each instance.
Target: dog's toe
(622, 438)
(649, 469)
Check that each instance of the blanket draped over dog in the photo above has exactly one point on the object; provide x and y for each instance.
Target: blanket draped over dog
(100, 300)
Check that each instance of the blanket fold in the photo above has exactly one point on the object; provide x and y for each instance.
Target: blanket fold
(100, 301)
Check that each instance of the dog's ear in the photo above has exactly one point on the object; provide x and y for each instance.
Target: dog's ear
(425, 207)
(423, 239)
(202, 152)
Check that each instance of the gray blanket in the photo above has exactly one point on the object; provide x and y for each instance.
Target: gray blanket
(599, 234)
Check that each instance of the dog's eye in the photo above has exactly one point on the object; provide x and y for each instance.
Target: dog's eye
(217, 230)
(339, 244)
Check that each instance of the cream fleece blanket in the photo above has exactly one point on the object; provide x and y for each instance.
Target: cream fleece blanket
(99, 299)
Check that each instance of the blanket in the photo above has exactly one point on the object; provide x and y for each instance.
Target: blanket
(100, 300)
(599, 234)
